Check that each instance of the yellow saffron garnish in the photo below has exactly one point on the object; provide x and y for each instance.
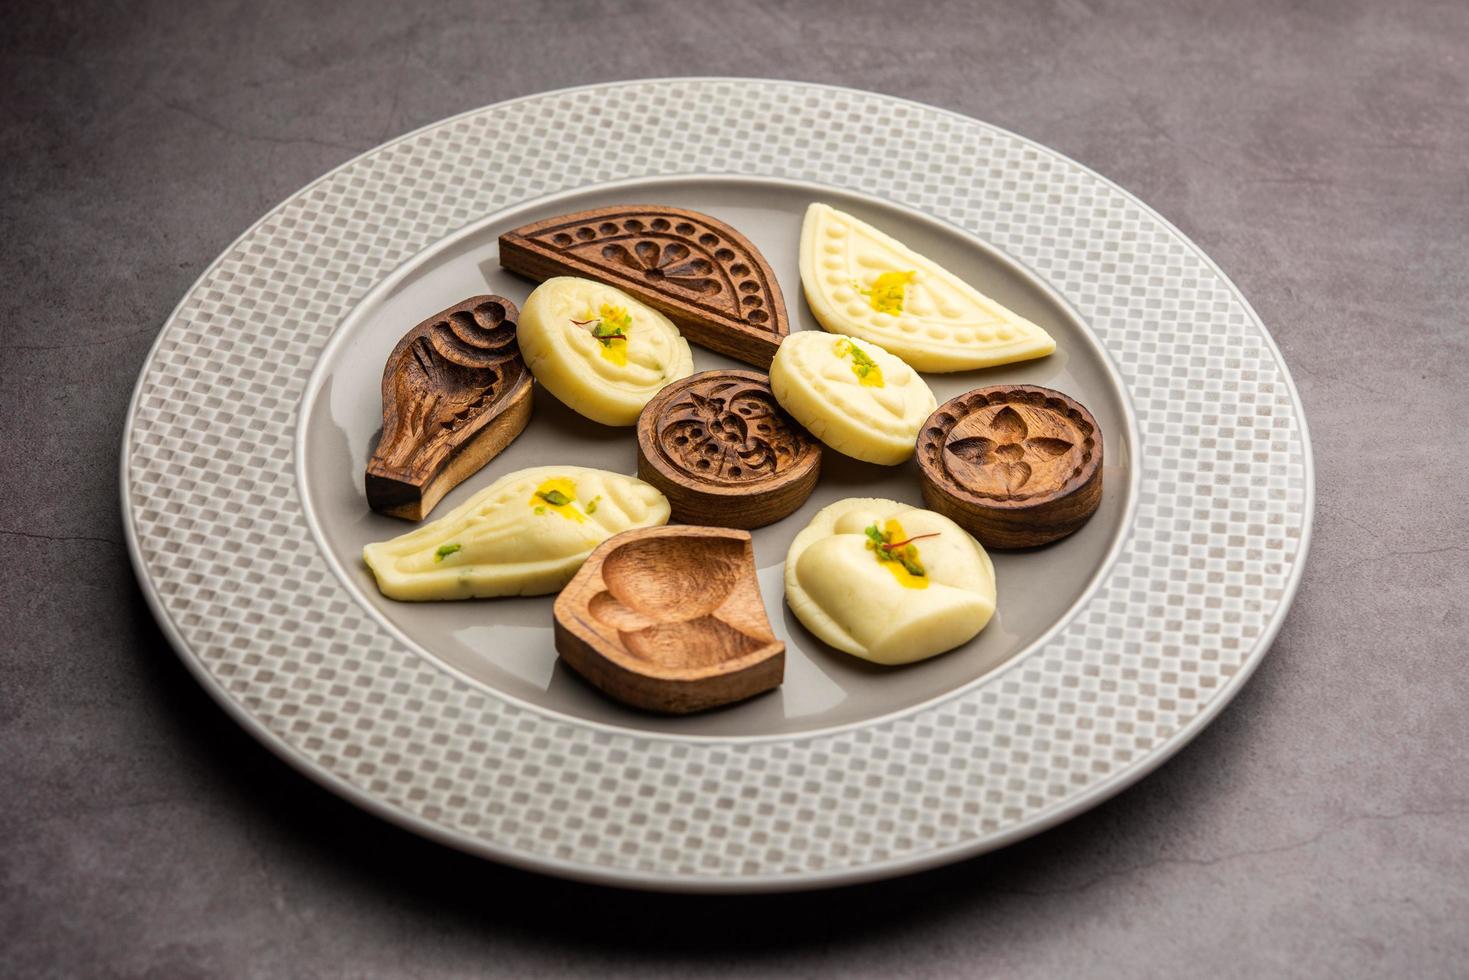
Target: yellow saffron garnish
(868, 373)
(557, 495)
(888, 291)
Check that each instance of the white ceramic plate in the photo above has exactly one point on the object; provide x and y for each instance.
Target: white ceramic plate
(254, 415)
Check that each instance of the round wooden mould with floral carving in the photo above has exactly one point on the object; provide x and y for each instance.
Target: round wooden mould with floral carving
(724, 453)
(1015, 465)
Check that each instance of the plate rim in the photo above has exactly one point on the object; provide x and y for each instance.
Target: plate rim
(1043, 819)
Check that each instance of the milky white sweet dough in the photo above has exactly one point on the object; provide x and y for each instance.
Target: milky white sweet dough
(599, 350)
(861, 282)
(876, 609)
(525, 534)
(852, 395)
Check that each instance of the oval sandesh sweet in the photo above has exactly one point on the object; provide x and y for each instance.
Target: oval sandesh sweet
(724, 452)
(1015, 465)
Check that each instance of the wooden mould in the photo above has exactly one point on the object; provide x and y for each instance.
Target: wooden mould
(724, 453)
(670, 619)
(698, 271)
(1015, 465)
(455, 392)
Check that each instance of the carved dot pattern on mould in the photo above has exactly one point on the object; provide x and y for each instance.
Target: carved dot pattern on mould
(220, 536)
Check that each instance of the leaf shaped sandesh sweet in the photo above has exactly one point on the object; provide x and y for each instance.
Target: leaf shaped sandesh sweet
(525, 534)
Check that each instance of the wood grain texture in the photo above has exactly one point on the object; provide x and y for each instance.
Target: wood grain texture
(698, 271)
(724, 452)
(1015, 465)
(455, 392)
(670, 619)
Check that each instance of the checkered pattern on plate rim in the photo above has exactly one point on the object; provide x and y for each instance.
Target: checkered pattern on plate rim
(1201, 577)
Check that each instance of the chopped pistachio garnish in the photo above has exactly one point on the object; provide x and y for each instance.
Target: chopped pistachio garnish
(903, 552)
(592, 504)
(554, 497)
(611, 325)
(445, 550)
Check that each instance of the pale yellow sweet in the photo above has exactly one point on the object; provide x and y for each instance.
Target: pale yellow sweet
(525, 534)
(840, 590)
(852, 395)
(607, 379)
(862, 282)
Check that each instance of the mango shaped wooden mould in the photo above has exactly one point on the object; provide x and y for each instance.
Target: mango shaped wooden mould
(698, 271)
(455, 392)
(1015, 465)
(724, 452)
(670, 619)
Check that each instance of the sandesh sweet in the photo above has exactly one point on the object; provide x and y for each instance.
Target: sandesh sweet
(599, 350)
(852, 395)
(525, 534)
(888, 582)
(861, 282)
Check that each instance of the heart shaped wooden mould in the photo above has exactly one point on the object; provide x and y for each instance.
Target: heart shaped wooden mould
(696, 270)
(1015, 465)
(455, 392)
(670, 619)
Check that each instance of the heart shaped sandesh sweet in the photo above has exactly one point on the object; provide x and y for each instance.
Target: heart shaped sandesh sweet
(1015, 465)
(696, 270)
(670, 619)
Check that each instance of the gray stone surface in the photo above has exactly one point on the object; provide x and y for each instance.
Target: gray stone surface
(1316, 150)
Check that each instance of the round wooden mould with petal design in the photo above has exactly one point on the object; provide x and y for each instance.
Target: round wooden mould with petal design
(1015, 465)
(724, 452)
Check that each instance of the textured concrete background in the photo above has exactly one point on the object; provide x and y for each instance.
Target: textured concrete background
(1316, 150)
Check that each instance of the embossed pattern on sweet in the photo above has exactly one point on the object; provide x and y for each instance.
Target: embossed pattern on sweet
(705, 276)
(602, 352)
(854, 396)
(525, 534)
(865, 283)
(670, 619)
(455, 392)
(1016, 465)
(887, 581)
(724, 452)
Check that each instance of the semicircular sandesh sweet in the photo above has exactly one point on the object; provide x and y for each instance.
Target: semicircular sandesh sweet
(455, 392)
(887, 581)
(852, 395)
(525, 534)
(724, 452)
(1016, 465)
(865, 283)
(599, 350)
(695, 269)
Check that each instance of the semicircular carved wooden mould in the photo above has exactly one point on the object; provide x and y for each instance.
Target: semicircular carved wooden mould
(723, 451)
(1015, 465)
(455, 392)
(670, 619)
(698, 271)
